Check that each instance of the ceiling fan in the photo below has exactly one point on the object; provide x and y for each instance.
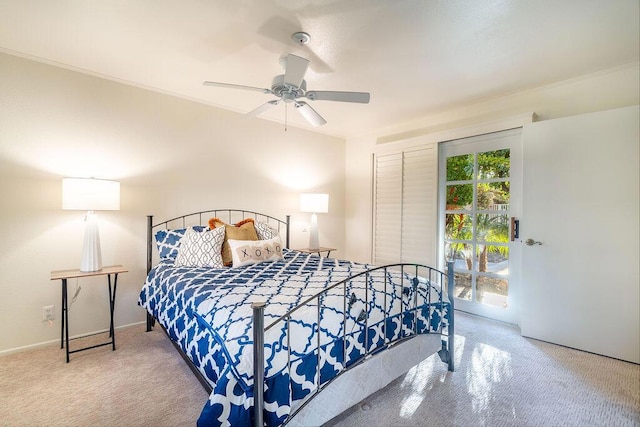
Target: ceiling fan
(291, 86)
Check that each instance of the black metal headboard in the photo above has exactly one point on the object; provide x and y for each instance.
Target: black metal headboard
(230, 216)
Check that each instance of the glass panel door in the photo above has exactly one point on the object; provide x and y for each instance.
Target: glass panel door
(476, 195)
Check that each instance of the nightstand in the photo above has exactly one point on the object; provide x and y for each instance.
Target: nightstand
(64, 275)
(317, 251)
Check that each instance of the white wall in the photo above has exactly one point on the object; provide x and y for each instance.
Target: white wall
(171, 156)
(174, 156)
(605, 90)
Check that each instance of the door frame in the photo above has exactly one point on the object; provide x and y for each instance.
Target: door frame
(511, 139)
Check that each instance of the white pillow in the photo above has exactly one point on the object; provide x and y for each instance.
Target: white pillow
(245, 252)
(201, 249)
(265, 231)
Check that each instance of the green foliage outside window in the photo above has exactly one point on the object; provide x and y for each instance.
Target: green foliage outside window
(459, 196)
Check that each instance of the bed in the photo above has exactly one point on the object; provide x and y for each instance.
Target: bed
(287, 337)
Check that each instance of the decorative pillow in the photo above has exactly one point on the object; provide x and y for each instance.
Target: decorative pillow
(265, 231)
(245, 252)
(243, 230)
(217, 222)
(168, 241)
(201, 249)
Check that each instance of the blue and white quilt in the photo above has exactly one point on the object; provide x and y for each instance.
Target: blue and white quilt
(208, 313)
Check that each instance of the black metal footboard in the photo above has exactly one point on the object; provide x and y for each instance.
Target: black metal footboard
(431, 276)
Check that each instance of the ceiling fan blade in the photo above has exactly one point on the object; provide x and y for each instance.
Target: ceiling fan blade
(325, 95)
(261, 109)
(310, 114)
(232, 86)
(295, 70)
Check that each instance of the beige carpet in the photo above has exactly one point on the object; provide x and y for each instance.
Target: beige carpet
(143, 383)
(502, 380)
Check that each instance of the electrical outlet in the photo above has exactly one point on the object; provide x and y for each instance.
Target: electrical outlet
(48, 313)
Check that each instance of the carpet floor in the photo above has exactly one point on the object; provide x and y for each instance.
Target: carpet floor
(144, 382)
(501, 379)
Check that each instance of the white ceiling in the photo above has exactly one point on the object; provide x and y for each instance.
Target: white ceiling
(415, 57)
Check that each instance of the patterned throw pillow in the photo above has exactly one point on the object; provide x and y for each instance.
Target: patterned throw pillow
(168, 241)
(245, 252)
(243, 230)
(265, 231)
(201, 249)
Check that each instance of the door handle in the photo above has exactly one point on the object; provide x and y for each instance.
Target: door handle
(515, 228)
(531, 242)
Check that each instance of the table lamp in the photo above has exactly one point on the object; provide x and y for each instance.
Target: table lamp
(314, 203)
(90, 195)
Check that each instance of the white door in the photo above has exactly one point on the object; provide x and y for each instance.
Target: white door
(479, 194)
(580, 284)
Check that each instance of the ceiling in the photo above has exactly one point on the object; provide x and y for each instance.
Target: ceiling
(415, 57)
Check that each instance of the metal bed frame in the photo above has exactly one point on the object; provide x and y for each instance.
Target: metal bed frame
(446, 353)
(432, 275)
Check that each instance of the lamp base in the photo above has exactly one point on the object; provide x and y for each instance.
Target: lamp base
(313, 233)
(91, 253)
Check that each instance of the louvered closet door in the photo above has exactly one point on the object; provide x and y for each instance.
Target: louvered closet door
(405, 212)
(419, 196)
(387, 241)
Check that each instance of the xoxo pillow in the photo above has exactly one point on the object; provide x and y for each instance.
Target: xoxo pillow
(246, 252)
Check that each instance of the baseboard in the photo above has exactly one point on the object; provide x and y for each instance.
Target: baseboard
(57, 340)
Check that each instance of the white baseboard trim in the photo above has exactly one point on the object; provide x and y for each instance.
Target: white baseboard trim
(57, 341)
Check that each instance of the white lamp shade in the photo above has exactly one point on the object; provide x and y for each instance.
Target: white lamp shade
(314, 202)
(88, 194)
